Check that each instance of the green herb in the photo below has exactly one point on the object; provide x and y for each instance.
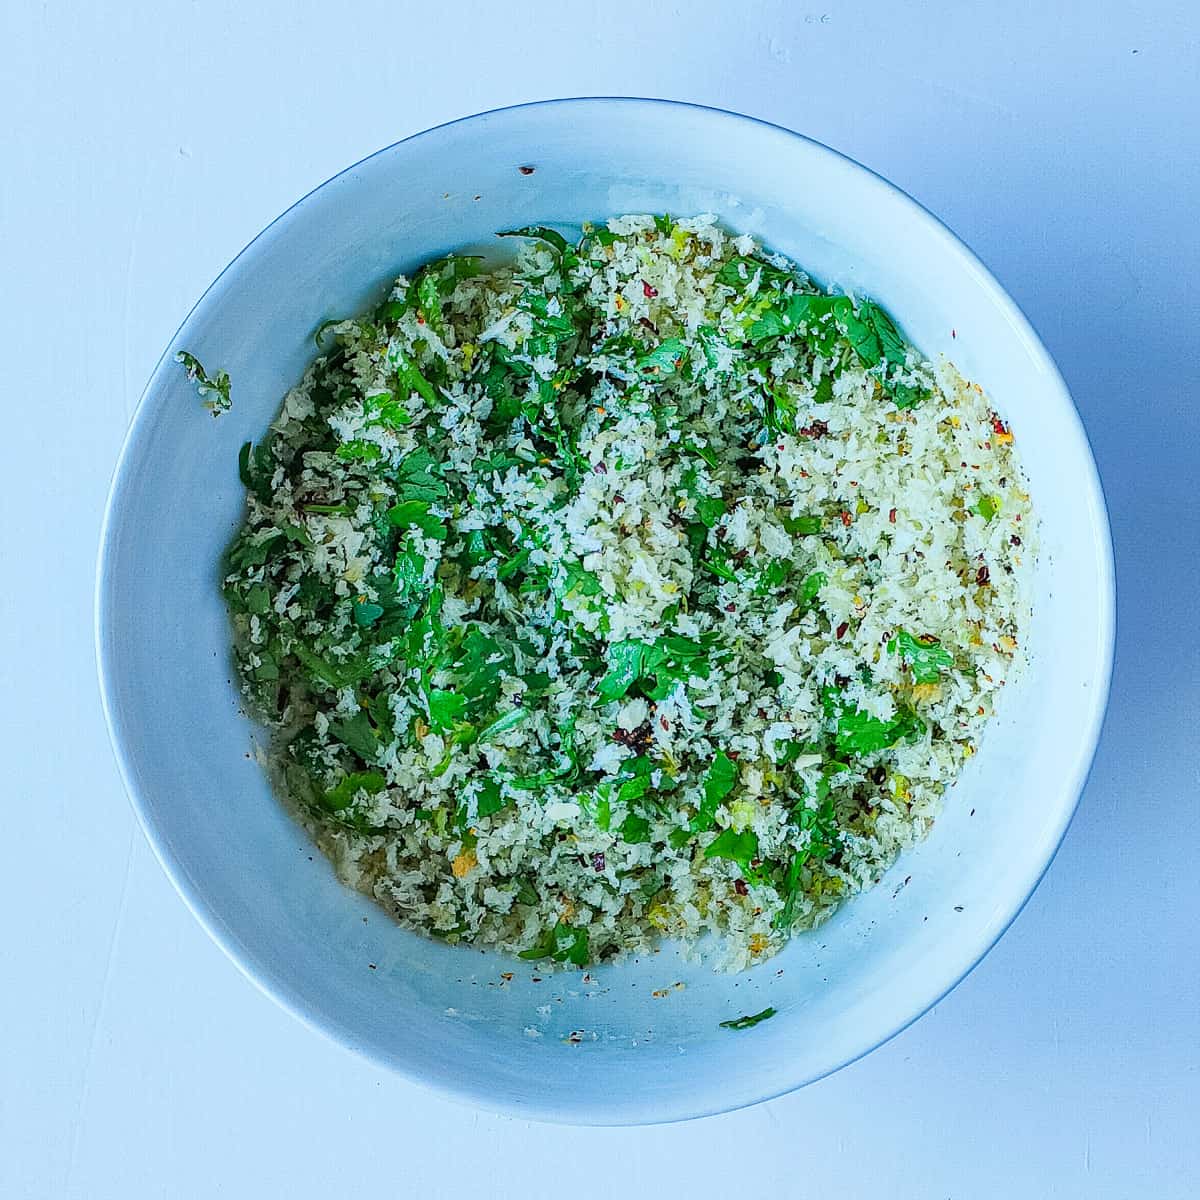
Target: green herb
(213, 392)
(663, 360)
(562, 943)
(255, 468)
(810, 589)
(357, 733)
(741, 848)
(415, 514)
(627, 662)
(635, 830)
(359, 451)
(445, 708)
(718, 783)
(802, 526)
(710, 509)
(541, 233)
(987, 507)
(342, 794)
(417, 477)
(925, 655)
(860, 733)
(410, 379)
(502, 724)
(382, 408)
(748, 1022)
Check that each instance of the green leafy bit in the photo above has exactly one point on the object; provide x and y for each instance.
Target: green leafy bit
(410, 379)
(561, 943)
(357, 733)
(810, 589)
(750, 1021)
(859, 733)
(987, 507)
(739, 847)
(926, 656)
(214, 393)
(663, 360)
(802, 526)
(342, 794)
(415, 514)
(541, 233)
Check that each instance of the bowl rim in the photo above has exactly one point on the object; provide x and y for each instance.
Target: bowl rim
(270, 982)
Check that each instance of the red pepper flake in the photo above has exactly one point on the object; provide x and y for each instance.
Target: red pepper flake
(731, 608)
(818, 429)
(666, 725)
(527, 170)
(998, 425)
(1014, 540)
(892, 516)
(739, 886)
(845, 518)
(982, 577)
(734, 755)
(598, 861)
(420, 319)
(841, 630)
(600, 469)
(618, 499)
(648, 291)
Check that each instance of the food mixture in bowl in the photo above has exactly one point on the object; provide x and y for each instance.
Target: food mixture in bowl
(637, 590)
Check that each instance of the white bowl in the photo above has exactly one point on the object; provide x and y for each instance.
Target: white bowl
(443, 1015)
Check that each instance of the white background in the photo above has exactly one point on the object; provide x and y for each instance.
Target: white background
(142, 144)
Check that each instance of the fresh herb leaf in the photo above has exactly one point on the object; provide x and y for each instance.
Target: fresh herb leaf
(748, 1022)
(810, 589)
(635, 830)
(342, 794)
(860, 733)
(719, 781)
(627, 662)
(562, 943)
(410, 379)
(741, 848)
(925, 655)
(987, 507)
(213, 392)
(357, 733)
(359, 451)
(802, 526)
(663, 361)
(502, 724)
(710, 509)
(415, 514)
(541, 233)
(445, 708)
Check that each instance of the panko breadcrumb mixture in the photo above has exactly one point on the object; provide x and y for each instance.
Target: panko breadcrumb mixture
(638, 589)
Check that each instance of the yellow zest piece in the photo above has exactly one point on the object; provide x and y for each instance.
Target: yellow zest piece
(1009, 644)
(420, 729)
(619, 302)
(1003, 438)
(568, 910)
(758, 943)
(927, 691)
(464, 864)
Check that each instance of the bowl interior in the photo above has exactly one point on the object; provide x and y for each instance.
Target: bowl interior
(562, 1046)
